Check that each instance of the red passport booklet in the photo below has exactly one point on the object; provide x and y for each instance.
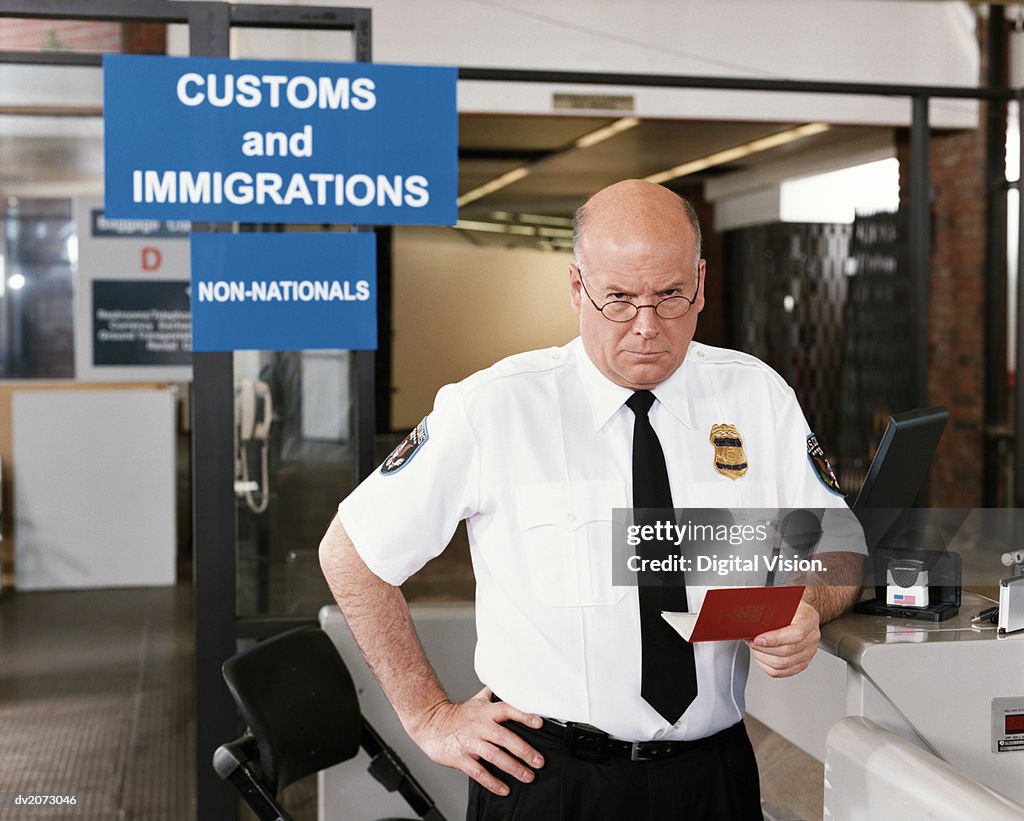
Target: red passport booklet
(733, 613)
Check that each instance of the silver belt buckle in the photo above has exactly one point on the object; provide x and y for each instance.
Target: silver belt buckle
(634, 752)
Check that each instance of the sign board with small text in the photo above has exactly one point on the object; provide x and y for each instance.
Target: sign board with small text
(131, 297)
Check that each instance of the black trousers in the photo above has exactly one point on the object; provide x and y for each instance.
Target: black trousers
(714, 779)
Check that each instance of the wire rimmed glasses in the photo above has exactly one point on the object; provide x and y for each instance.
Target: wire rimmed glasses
(622, 310)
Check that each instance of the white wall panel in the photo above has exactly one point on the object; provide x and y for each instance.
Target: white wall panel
(94, 488)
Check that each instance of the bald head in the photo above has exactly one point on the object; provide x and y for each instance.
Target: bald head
(634, 211)
(636, 243)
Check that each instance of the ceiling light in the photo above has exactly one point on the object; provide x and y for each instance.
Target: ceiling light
(16, 282)
(738, 152)
(532, 219)
(602, 134)
(543, 219)
(496, 227)
(496, 184)
(522, 230)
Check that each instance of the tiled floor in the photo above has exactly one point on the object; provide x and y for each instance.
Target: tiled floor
(96, 703)
(792, 782)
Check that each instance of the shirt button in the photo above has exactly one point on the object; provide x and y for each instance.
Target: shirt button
(659, 733)
(700, 353)
(556, 355)
(572, 517)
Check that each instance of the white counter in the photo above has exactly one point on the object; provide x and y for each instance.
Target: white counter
(931, 684)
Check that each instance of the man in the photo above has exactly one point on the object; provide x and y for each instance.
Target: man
(534, 453)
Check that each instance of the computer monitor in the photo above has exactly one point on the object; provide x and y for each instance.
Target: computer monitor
(898, 471)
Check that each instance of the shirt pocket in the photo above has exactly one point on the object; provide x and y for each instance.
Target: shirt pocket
(737, 503)
(731, 493)
(565, 531)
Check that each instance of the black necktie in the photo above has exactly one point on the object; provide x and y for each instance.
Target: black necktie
(668, 674)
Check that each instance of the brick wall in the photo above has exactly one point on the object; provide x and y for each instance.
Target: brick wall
(956, 310)
(77, 35)
(73, 35)
(145, 38)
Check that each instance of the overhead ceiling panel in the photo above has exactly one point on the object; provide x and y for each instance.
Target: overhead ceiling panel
(501, 131)
(560, 180)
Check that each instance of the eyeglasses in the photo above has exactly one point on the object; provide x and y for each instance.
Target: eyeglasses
(622, 310)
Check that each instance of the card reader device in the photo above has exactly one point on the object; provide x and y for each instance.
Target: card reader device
(906, 583)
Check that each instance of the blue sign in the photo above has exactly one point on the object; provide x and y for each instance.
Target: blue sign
(219, 140)
(284, 292)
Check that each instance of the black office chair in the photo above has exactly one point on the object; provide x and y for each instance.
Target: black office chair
(298, 700)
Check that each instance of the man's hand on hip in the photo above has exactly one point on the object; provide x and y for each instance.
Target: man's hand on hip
(788, 650)
(462, 735)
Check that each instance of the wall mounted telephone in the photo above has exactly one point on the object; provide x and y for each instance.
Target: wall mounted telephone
(254, 411)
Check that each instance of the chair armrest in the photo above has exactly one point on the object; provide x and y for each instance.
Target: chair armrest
(229, 757)
(238, 763)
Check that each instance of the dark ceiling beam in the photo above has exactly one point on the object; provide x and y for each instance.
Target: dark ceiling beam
(732, 83)
(503, 154)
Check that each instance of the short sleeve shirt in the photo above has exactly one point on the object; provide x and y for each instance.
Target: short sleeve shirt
(535, 453)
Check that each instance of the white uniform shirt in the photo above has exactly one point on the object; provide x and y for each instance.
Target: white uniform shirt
(535, 452)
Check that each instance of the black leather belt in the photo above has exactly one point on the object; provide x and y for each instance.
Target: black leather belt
(591, 744)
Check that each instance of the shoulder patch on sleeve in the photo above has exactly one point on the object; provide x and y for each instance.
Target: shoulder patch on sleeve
(819, 464)
(407, 448)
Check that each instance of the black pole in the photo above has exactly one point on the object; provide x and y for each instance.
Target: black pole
(213, 506)
(995, 254)
(920, 242)
(385, 309)
(519, 75)
(1018, 383)
(365, 370)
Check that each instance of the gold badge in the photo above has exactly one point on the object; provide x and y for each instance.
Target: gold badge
(730, 460)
